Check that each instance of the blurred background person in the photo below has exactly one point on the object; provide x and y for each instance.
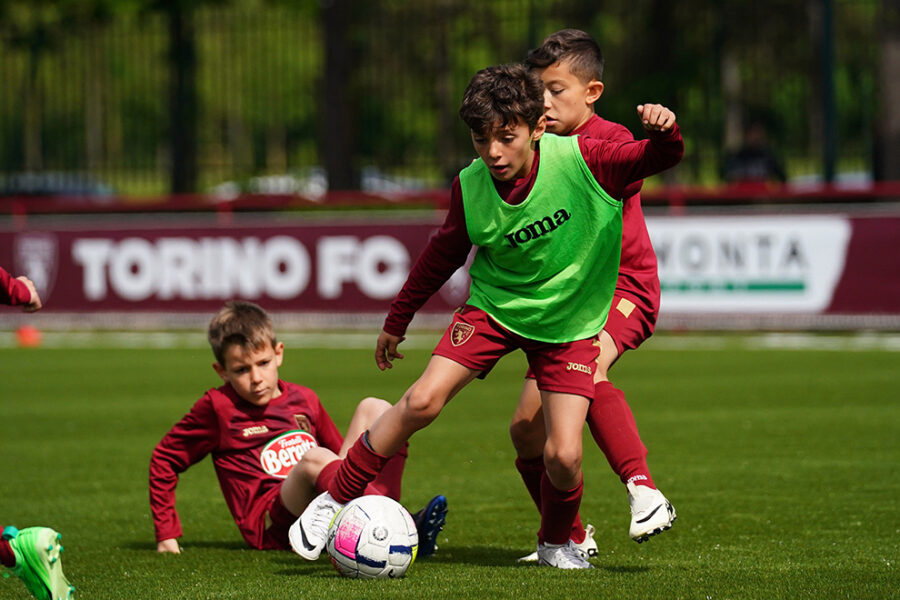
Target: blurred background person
(754, 162)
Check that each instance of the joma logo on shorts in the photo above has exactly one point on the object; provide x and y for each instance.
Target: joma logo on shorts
(537, 229)
(577, 367)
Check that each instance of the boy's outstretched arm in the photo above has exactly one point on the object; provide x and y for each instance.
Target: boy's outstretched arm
(188, 442)
(616, 165)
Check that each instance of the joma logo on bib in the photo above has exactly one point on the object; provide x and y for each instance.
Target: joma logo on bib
(537, 229)
(281, 454)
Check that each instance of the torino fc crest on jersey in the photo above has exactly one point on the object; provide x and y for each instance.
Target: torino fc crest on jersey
(285, 451)
(302, 422)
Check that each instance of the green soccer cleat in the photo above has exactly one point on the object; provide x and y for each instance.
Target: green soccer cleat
(37, 562)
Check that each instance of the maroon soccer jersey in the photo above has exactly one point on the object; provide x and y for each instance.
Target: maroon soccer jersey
(638, 275)
(13, 291)
(252, 447)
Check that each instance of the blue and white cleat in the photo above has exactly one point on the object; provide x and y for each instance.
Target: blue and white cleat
(429, 522)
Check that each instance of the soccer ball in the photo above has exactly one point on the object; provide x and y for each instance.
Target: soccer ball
(372, 537)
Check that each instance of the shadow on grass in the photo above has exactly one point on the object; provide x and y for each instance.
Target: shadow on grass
(623, 569)
(481, 556)
(207, 545)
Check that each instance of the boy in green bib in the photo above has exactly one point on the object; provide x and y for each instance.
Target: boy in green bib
(546, 215)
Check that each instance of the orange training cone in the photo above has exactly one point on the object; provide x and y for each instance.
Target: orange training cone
(28, 336)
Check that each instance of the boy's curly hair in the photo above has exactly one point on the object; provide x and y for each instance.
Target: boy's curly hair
(576, 47)
(502, 95)
(239, 323)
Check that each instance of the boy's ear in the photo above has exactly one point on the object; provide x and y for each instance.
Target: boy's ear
(279, 354)
(594, 91)
(539, 129)
(219, 369)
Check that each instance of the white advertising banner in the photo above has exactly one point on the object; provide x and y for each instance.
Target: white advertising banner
(749, 264)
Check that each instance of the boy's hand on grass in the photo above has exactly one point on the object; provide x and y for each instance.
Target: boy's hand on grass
(170, 545)
(656, 117)
(386, 349)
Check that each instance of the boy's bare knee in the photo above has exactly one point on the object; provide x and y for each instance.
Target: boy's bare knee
(313, 462)
(421, 406)
(527, 438)
(562, 463)
(373, 407)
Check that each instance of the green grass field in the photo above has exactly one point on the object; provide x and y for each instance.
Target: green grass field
(784, 466)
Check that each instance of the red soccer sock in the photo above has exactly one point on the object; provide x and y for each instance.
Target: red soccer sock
(7, 557)
(326, 475)
(532, 471)
(578, 533)
(558, 511)
(355, 472)
(388, 481)
(616, 433)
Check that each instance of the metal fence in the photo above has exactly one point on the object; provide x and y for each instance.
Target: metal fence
(87, 103)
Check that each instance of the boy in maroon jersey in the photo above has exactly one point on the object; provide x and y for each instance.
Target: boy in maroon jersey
(571, 66)
(271, 441)
(538, 209)
(31, 554)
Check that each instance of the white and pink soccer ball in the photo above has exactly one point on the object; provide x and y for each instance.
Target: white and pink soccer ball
(372, 537)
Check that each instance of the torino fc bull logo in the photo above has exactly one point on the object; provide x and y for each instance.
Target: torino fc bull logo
(35, 256)
(461, 333)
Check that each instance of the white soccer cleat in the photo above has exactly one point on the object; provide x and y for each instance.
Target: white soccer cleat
(651, 513)
(309, 533)
(529, 558)
(588, 547)
(566, 556)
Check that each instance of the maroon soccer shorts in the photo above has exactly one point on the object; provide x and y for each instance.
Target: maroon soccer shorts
(476, 341)
(630, 322)
(268, 523)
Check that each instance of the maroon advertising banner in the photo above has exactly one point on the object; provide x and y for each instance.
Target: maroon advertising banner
(812, 264)
(870, 282)
(318, 266)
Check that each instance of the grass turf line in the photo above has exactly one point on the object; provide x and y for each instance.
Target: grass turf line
(783, 466)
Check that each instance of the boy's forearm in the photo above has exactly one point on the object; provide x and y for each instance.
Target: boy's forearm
(163, 480)
(166, 523)
(665, 150)
(660, 151)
